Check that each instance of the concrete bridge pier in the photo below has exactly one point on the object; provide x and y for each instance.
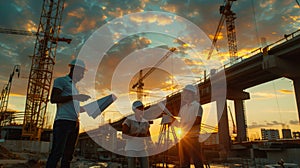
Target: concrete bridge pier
(296, 82)
(238, 96)
(223, 125)
(223, 128)
(241, 126)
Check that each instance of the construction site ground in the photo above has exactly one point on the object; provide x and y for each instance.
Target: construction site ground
(10, 159)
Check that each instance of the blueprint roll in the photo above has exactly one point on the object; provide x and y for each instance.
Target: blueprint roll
(95, 108)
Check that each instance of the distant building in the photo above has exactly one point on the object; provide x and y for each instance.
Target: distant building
(14, 132)
(286, 133)
(88, 145)
(296, 135)
(269, 134)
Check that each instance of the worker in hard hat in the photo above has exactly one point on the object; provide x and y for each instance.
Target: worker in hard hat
(137, 135)
(66, 124)
(190, 114)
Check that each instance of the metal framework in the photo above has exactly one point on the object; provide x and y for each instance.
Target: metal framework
(30, 33)
(140, 84)
(5, 95)
(229, 17)
(231, 31)
(43, 61)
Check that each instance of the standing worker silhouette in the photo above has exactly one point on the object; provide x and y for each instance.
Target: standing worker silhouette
(138, 135)
(66, 124)
(190, 121)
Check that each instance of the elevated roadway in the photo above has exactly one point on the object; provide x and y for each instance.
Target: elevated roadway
(281, 59)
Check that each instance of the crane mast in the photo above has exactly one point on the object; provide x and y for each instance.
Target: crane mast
(230, 27)
(43, 61)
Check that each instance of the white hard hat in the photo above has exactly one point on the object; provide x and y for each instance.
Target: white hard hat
(190, 88)
(77, 62)
(137, 104)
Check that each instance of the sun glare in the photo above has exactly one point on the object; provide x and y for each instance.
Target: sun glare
(179, 132)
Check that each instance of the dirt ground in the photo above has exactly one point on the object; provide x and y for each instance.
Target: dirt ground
(13, 160)
(9, 159)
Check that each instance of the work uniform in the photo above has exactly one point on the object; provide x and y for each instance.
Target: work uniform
(136, 146)
(66, 125)
(189, 146)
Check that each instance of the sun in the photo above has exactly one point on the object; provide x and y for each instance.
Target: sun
(179, 132)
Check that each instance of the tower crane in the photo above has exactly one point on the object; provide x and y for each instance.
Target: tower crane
(41, 71)
(228, 15)
(140, 84)
(5, 94)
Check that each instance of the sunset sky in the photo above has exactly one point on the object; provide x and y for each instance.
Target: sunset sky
(271, 105)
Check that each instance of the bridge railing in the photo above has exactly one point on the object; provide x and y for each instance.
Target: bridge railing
(286, 38)
(262, 49)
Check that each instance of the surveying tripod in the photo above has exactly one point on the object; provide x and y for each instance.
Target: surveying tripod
(164, 139)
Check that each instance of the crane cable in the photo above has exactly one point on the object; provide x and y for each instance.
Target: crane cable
(255, 23)
(277, 103)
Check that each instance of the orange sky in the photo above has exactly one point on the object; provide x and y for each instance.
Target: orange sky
(271, 105)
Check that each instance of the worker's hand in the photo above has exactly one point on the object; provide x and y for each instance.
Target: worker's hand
(81, 97)
(175, 122)
(82, 109)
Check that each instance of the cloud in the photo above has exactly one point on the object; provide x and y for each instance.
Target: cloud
(16, 95)
(256, 125)
(77, 13)
(285, 91)
(271, 19)
(155, 19)
(294, 122)
(262, 95)
(272, 123)
(267, 95)
(266, 124)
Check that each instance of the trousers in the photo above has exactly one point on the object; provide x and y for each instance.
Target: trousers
(65, 134)
(190, 149)
(132, 156)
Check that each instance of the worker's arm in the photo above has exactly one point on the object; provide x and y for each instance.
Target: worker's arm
(56, 97)
(197, 121)
(198, 117)
(82, 109)
(175, 122)
(126, 130)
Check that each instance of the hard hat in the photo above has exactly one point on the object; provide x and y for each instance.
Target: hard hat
(137, 104)
(77, 62)
(190, 88)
